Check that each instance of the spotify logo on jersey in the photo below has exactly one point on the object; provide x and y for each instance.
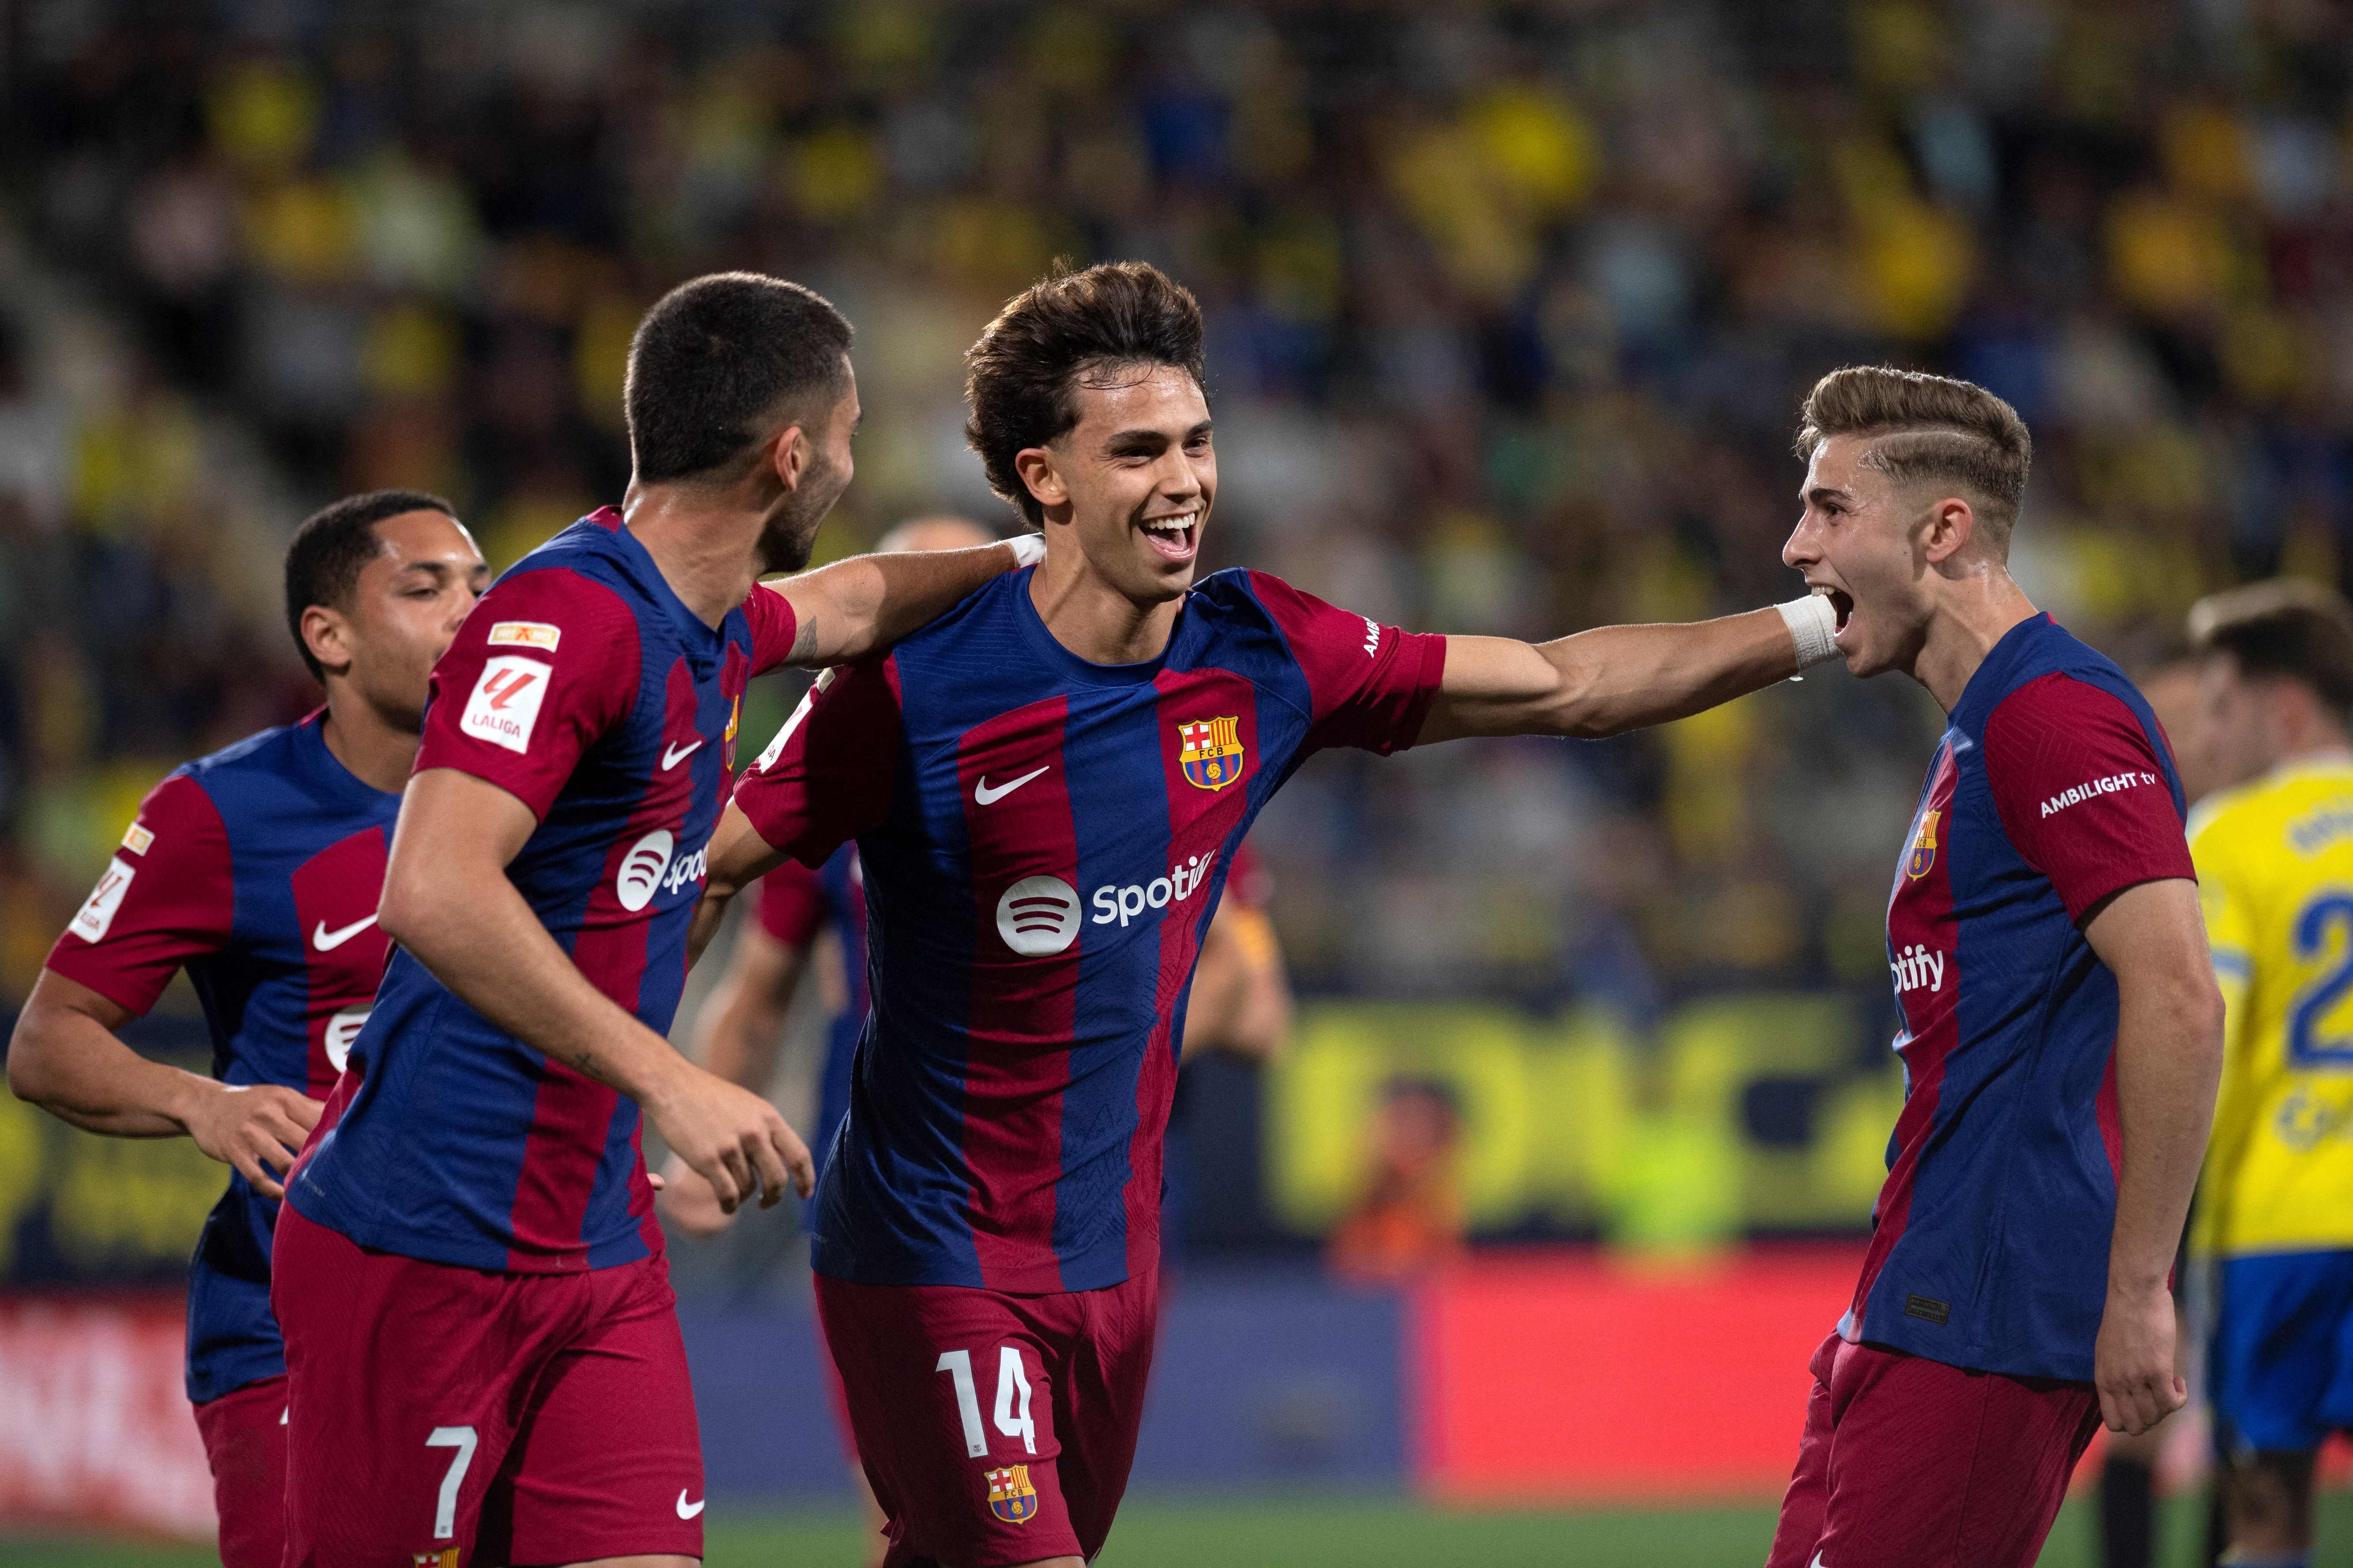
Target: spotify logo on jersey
(640, 875)
(341, 1030)
(1039, 915)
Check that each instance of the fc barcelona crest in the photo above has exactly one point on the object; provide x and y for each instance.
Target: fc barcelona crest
(1011, 1498)
(1212, 753)
(1924, 846)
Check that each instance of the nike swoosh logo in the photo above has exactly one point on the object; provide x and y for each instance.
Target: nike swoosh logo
(327, 941)
(985, 795)
(689, 1509)
(673, 755)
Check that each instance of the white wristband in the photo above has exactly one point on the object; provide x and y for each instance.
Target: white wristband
(1812, 626)
(1028, 549)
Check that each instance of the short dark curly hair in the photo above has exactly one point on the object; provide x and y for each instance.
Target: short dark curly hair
(715, 355)
(1051, 338)
(328, 551)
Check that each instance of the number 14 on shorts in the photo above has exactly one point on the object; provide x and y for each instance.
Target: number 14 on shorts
(1012, 1412)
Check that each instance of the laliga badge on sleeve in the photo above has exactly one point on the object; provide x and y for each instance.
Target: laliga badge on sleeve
(505, 701)
(98, 914)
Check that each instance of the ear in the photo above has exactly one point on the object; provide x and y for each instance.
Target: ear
(328, 635)
(787, 457)
(1036, 466)
(1950, 527)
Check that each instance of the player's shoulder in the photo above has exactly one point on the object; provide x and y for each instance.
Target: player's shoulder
(2064, 694)
(560, 603)
(1240, 600)
(272, 754)
(2312, 805)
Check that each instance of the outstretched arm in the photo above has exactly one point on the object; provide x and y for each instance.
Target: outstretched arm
(1615, 678)
(865, 603)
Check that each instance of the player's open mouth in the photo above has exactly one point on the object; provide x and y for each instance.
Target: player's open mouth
(1176, 536)
(1841, 605)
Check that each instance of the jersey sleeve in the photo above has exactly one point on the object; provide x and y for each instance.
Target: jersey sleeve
(2082, 791)
(774, 625)
(542, 668)
(165, 898)
(792, 904)
(1370, 686)
(827, 776)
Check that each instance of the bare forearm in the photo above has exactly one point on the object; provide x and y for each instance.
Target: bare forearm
(853, 607)
(2168, 1061)
(743, 1041)
(710, 914)
(1606, 680)
(480, 938)
(72, 1066)
(1622, 677)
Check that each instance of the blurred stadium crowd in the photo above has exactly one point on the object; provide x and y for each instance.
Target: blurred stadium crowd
(1512, 306)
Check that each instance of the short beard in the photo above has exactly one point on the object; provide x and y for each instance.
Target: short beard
(786, 541)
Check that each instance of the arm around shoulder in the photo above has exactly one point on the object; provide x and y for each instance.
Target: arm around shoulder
(861, 606)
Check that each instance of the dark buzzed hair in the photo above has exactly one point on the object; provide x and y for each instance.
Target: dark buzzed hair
(2283, 629)
(1929, 428)
(1061, 332)
(323, 563)
(717, 355)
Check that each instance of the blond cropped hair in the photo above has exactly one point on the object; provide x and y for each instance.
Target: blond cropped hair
(1928, 429)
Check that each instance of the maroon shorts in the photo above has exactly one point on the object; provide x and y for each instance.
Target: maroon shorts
(245, 1440)
(1908, 1463)
(525, 1418)
(995, 1429)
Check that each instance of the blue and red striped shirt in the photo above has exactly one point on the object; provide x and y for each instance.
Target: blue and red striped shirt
(2052, 788)
(1044, 840)
(256, 869)
(583, 687)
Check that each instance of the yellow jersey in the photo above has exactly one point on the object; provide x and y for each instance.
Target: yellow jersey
(2275, 879)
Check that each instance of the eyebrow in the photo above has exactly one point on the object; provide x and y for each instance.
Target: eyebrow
(1122, 438)
(1824, 493)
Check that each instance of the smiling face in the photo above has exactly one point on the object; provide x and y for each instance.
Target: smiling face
(404, 611)
(1859, 541)
(1133, 480)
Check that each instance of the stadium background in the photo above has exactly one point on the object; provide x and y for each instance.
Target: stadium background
(1510, 305)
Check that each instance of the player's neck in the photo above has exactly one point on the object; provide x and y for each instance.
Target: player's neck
(705, 545)
(1093, 619)
(1972, 614)
(372, 750)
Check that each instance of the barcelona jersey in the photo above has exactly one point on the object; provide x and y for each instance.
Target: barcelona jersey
(2051, 789)
(258, 869)
(583, 687)
(2275, 876)
(1044, 840)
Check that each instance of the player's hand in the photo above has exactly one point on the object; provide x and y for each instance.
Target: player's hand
(2132, 1362)
(259, 1127)
(731, 1137)
(687, 1200)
